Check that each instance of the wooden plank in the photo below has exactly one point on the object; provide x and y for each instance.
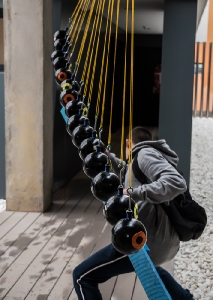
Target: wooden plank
(139, 292)
(4, 215)
(107, 287)
(102, 241)
(17, 231)
(66, 250)
(21, 243)
(41, 259)
(64, 285)
(23, 259)
(124, 287)
(11, 222)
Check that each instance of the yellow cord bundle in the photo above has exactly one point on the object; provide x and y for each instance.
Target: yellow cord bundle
(106, 69)
(90, 51)
(113, 81)
(102, 64)
(131, 91)
(124, 87)
(77, 18)
(96, 53)
(86, 32)
(81, 20)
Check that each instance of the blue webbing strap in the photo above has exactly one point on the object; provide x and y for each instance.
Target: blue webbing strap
(63, 114)
(148, 276)
(144, 267)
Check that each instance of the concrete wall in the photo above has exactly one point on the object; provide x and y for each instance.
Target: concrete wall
(2, 127)
(28, 104)
(2, 138)
(175, 123)
(1, 42)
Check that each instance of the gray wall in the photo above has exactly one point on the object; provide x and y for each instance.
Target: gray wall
(175, 122)
(2, 138)
(2, 135)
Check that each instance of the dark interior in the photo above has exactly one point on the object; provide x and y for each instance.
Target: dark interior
(148, 50)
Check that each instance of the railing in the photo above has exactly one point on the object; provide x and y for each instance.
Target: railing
(203, 80)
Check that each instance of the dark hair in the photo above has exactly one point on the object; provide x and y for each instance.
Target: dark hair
(140, 134)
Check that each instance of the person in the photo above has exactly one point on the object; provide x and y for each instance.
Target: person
(163, 183)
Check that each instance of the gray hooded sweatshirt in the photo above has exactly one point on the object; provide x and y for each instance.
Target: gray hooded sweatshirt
(163, 183)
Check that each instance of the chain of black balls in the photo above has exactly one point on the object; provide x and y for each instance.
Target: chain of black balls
(128, 234)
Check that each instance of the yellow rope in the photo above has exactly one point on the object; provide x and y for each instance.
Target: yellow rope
(106, 70)
(131, 91)
(92, 38)
(102, 64)
(86, 31)
(124, 87)
(95, 59)
(76, 8)
(74, 26)
(78, 27)
(113, 81)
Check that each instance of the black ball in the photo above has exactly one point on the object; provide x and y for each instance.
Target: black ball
(74, 122)
(128, 236)
(66, 96)
(89, 145)
(81, 133)
(116, 207)
(72, 108)
(95, 163)
(62, 74)
(59, 44)
(56, 54)
(60, 34)
(105, 185)
(60, 62)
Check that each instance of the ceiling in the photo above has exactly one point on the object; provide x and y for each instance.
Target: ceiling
(149, 15)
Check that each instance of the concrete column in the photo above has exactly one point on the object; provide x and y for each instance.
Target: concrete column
(175, 123)
(28, 104)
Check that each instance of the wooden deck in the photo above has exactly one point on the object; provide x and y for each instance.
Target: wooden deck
(39, 251)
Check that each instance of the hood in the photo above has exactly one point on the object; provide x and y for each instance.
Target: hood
(162, 147)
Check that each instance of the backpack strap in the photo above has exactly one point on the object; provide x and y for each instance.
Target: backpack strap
(139, 175)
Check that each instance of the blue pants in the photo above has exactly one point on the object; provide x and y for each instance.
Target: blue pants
(107, 263)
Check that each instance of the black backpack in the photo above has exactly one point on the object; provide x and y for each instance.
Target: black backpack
(187, 216)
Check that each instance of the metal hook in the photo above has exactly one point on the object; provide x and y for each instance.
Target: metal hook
(83, 99)
(109, 147)
(121, 171)
(71, 54)
(96, 120)
(75, 70)
(129, 188)
(100, 130)
(81, 85)
(99, 135)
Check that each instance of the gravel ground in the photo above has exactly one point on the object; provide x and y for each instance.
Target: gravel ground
(194, 264)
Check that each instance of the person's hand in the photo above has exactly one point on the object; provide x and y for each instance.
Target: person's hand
(125, 191)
